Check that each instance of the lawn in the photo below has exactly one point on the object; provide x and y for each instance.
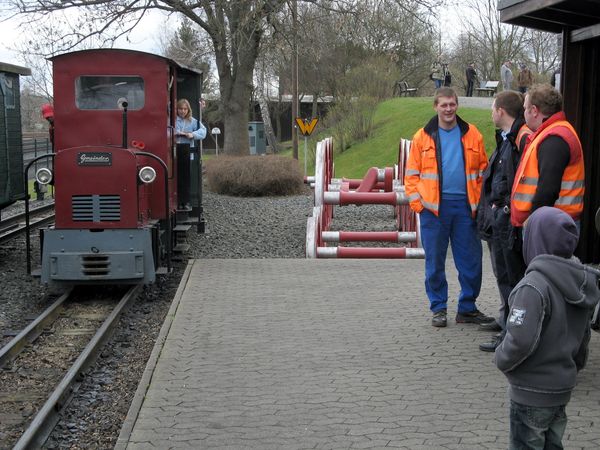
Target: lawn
(394, 119)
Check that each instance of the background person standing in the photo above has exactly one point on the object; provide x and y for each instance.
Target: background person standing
(506, 76)
(524, 79)
(443, 183)
(437, 72)
(447, 75)
(471, 75)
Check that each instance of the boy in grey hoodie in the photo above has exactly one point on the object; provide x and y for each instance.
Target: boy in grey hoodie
(547, 331)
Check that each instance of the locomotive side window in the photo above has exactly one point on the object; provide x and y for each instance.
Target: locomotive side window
(103, 92)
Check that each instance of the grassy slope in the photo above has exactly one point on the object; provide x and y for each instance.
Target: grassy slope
(394, 119)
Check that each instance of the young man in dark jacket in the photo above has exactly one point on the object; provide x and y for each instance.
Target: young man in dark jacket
(471, 75)
(493, 214)
(547, 331)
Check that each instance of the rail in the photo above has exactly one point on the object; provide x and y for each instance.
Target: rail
(13, 226)
(48, 415)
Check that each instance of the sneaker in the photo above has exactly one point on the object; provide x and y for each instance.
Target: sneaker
(439, 319)
(473, 317)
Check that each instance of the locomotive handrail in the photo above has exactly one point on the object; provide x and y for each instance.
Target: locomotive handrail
(27, 237)
(169, 230)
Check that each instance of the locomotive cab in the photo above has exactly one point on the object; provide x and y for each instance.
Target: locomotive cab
(115, 176)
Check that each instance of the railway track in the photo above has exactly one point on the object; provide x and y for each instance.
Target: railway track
(15, 225)
(43, 366)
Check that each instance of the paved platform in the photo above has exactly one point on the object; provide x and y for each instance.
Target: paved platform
(302, 354)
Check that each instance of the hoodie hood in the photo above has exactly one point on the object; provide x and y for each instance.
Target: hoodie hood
(577, 283)
(549, 231)
(549, 240)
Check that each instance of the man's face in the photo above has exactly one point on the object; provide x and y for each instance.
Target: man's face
(446, 110)
(533, 117)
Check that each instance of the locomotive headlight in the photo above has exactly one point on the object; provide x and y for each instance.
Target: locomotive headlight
(43, 175)
(147, 174)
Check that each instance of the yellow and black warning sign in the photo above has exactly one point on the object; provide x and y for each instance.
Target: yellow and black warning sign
(306, 127)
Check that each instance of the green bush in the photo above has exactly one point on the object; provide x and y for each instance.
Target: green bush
(254, 176)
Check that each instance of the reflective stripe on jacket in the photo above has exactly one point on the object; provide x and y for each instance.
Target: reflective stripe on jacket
(423, 180)
(570, 197)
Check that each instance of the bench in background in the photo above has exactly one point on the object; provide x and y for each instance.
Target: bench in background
(488, 88)
(401, 88)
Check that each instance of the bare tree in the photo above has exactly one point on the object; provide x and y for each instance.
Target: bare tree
(334, 41)
(235, 30)
(188, 46)
(492, 41)
(543, 52)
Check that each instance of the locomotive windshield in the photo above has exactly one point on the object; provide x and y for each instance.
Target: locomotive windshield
(104, 92)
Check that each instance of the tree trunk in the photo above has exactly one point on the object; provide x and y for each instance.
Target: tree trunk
(235, 123)
(266, 116)
(315, 105)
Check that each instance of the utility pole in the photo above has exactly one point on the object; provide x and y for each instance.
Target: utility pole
(295, 109)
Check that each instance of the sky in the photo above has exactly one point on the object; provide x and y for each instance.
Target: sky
(144, 37)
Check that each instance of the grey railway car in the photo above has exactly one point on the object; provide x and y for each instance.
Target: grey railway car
(11, 151)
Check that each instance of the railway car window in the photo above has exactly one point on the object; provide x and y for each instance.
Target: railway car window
(6, 84)
(104, 92)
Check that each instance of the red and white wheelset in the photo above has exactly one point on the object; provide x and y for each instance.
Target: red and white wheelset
(379, 186)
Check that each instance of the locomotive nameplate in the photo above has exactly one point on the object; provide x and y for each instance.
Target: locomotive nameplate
(94, 159)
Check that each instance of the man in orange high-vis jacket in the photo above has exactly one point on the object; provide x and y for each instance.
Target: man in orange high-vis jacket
(551, 171)
(443, 183)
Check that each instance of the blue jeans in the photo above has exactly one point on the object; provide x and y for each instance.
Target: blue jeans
(455, 225)
(438, 83)
(536, 427)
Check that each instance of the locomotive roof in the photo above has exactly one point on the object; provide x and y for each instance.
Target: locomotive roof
(11, 68)
(94, 50)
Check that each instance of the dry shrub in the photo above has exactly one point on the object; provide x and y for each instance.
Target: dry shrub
(254, 176)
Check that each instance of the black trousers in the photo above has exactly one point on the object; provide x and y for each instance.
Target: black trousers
(183, 174)
(507, 260)
(469, 89)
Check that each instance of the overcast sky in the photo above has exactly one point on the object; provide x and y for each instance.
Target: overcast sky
(144, 37)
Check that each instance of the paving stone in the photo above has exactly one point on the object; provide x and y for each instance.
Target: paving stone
(294, 354)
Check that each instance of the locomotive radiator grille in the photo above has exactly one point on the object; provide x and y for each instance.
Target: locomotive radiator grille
(96, 208)
(95, 265)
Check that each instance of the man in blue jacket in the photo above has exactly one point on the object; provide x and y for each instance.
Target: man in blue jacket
(547, 331)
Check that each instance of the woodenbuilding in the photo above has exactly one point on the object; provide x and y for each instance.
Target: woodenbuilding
(11, 154)
(579, 23)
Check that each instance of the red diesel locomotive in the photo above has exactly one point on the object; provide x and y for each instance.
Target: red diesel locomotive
(115, 167)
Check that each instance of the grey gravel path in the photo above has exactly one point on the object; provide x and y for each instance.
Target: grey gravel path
(476, 102)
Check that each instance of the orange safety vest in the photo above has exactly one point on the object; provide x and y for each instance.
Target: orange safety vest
(523, 131)
(421, 180)
(570, 197)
